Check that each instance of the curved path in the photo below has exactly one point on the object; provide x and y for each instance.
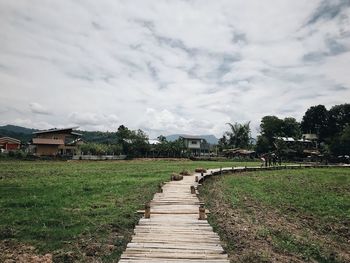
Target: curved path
(174, 233)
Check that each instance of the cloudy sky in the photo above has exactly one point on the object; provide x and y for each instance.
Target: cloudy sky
(170, 66)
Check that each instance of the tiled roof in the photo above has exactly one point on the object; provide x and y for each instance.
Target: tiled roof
(9, 140)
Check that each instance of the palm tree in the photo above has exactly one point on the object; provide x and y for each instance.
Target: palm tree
(239, 136)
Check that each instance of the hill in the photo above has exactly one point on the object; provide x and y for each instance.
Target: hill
(209, 138)
(21, 133)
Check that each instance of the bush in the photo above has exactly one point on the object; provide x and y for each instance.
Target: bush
(185, 172)
(200, 170)
(176, 177)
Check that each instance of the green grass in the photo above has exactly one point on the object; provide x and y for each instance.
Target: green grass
(50, 204)
(320, 193)
(293, 212)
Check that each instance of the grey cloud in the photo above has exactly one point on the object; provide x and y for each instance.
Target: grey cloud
(335, 48)
(96, 25)
(328, 9)
(339, 88)
(314, 56)
(226, 64)
(239, 38)
(155, 76)
(145, 23)
(79, 75)
(176, 43)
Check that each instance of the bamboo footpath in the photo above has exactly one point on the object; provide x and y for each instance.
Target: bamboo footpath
(174, 232)
(174, 227)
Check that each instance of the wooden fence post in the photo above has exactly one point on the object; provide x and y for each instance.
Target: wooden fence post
(147, 210)
(201, 212)
(193, 190)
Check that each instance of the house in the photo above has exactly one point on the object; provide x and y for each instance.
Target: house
(193, 144)
(289, 141)
(9, 144)
(153, 141)
(56, 142)
(238, 153)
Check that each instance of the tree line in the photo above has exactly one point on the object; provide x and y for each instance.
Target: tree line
(134, 143)
(332, 128)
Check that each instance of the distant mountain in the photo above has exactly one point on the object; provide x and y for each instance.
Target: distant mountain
(17, 129)
(209, 138)
(21, 133)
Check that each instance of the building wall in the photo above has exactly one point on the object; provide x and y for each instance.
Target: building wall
(46, 149)
(61, 136)
(191, 145)
(11, 146)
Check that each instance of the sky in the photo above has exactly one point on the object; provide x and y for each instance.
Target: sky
(170, 66)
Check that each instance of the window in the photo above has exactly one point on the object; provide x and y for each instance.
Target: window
(193, 142)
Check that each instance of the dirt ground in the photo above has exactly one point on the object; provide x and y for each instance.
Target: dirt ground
(249, 233)
(88, 248)
(12, 252)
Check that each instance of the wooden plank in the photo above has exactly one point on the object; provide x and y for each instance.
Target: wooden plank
(173, 232)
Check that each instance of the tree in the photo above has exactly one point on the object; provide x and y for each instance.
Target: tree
(291, 128)
(263, 145)
(341, 145)
(315, 120)
(223, 142)
(161, 138)
(239, 136)
(271, 126)
(124, 138)
(139, 143)
(339, 118)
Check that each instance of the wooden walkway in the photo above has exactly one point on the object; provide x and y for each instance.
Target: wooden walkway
(174, 233)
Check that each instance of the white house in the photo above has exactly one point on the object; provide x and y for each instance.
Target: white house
(193, 144)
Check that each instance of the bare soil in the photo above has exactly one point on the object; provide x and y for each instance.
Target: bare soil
(91, 248)
(12, 252)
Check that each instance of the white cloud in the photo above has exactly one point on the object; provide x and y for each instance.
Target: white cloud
(170, 66)
(37, 108)
(94, 121)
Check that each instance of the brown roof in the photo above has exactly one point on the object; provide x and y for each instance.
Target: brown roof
(48, 141)
(55, 130)
(9, 140)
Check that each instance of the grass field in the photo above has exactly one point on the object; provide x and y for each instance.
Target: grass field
(284, 216)
(79, 210)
